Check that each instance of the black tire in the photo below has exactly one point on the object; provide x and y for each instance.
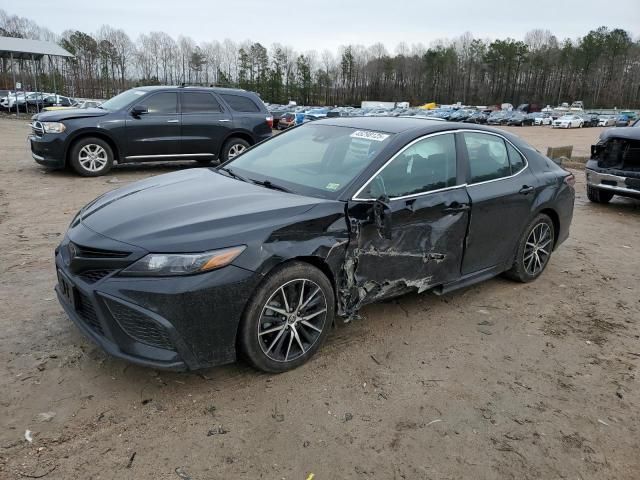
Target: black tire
(267, 341)
(81, 161)
(522, 270)
(598, 195)
(231, 145)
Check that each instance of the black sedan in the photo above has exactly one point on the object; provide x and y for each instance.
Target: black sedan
(260, 256)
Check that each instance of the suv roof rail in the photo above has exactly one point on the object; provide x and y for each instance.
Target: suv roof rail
(185, 84)
(210, 85)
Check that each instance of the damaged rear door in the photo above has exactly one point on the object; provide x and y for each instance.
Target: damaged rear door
(408, 223)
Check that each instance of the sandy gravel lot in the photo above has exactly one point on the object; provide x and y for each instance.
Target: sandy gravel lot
(500, 380)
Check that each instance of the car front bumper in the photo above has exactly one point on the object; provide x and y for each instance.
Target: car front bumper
(618, 184)
(171, 323)
(48, 150)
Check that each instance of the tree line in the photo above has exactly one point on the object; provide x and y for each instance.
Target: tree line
(601, 68)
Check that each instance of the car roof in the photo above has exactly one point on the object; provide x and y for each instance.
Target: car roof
(416, 126)
(387, 124)
(150, 88)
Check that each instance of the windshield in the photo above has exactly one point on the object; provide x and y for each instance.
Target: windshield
(122, 100)
(313, 159)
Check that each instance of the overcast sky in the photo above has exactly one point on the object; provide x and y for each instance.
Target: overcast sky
(320, 24)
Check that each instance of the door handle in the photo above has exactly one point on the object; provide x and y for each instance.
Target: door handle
(526, 189)
(457, 208)
(224, 120)
(173, 121)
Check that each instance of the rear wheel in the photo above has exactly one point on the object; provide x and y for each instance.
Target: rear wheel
(598, 195)
(288, 318)
(534, 250)
(233, 147)
(91, 157)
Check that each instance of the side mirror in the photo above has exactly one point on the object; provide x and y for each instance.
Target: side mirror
(139, 110)
(382, 216)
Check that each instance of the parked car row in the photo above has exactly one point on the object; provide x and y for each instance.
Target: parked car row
(295, 115)
(36, 101)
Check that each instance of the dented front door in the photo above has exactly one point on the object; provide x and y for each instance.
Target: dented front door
(425, 248)
(429, 214)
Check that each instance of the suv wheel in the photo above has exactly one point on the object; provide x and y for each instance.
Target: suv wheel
(233, 147)
(597, 195)
(91, 157)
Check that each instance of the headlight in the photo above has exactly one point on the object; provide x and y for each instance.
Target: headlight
(169, 264)
(53, 127)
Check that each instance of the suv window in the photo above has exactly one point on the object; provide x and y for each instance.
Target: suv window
(517, 162)
(239, 103)
(193, 102)
(161, 103)
(488, 158)
(427, 165)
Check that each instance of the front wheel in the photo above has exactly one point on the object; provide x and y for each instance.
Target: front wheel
(534, 250)
(91, 157)
(288, 318)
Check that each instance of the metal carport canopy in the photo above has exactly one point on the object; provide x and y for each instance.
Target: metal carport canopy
(22, 48)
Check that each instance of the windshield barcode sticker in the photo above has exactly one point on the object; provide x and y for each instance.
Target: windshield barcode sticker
(368, 135)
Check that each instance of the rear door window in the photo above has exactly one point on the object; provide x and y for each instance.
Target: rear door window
(239, 103)
(199, 102)
(516, 159)
(488, 157)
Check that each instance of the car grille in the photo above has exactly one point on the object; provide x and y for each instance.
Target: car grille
(140, 327)
(87, 312)
(93, 276)
(87, 252)
(37, 129)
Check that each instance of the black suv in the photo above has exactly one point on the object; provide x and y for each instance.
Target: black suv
(151, 124)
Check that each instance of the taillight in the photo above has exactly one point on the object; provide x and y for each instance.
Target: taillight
(570, 180)
(270, 121)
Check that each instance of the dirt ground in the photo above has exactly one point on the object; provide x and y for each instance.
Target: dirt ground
(500, 380)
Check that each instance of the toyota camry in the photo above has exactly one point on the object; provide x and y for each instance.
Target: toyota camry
(260, 256)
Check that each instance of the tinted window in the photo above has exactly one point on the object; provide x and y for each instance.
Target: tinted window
(429, 164)
(488, 157)
(240, 104)
(161, 103)
(199, 102)
(517, 162)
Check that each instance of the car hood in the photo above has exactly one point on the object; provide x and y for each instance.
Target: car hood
(69, 113)
(626, 133)
(193, 210)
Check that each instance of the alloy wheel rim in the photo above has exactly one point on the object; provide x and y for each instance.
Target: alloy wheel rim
(292, 320)
(236, 150)
(537, 248)
(92, 157)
